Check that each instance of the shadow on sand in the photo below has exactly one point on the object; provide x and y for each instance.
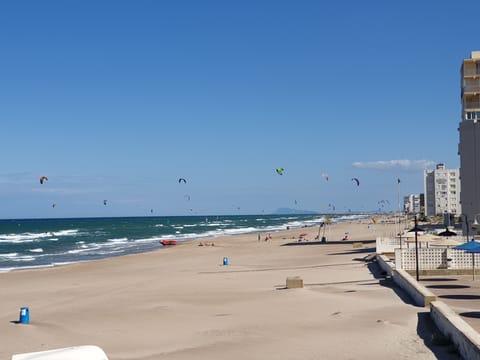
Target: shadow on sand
(387, 281)
(471, 314)
(341, 242)
(439, 279)
(448, 286)
(440, 345)
(460, 297)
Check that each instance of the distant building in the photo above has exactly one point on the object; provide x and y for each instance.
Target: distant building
(442, 191)
(413, 204)
(469, 145)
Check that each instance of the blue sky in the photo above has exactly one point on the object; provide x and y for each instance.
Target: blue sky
(118, 99)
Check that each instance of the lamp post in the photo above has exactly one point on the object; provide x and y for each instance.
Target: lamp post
(475, 224)
(467, 225)
(475, 221)
(416, 229)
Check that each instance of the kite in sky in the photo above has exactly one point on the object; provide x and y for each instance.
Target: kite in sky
(357, 181)
(104, 202)
(43, 179)
(182, 180)
(325, 176)
(279, 170)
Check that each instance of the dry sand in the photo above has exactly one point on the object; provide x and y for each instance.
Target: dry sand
(183, 303)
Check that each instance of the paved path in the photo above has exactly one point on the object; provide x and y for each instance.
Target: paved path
(460, 292)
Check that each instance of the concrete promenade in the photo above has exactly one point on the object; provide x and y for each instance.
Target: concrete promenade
(453, 301)
(460, 292)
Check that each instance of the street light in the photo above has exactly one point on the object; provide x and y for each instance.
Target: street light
(466, 222)
(475, 224)
(475, 221)
(416, 229)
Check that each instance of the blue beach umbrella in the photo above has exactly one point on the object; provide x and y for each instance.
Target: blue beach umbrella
(472, 247)
(469, 245)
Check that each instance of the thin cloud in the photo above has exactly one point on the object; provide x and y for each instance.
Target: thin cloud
(394, 164)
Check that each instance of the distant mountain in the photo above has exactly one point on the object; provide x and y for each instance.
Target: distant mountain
(284, 211)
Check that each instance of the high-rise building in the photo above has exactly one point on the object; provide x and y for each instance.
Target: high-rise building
(469, 146)
(414, 204)
(442, 191)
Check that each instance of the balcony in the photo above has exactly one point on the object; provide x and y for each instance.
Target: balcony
(471, 70)
(471, 105)
(471, 88)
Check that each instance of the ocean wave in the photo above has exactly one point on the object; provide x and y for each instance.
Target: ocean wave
(92, 247)
(107, 237)
(120, 240)
(24, 258)
(9, 256)
(31, 237)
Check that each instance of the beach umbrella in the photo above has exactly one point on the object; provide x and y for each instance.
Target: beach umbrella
(470, 247)
(447, 233)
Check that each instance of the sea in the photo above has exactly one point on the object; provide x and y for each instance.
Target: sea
(36, 243)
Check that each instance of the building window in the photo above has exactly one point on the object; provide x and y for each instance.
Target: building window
(472, 115)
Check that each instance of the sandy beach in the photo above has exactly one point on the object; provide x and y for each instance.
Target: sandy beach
(182, 302)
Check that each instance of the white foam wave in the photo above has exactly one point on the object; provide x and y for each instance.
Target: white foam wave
(37, 250)
(71, 232)
(9, 255)
(84, 248)
(240, 231)
(25, 258)
(31, 237)
(119, 240)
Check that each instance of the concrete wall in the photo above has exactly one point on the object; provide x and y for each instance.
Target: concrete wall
(419, 293)
(386, 264)
(465, 338)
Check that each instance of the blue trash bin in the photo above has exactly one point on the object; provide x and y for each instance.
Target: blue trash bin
(24, 315)
(225, 260)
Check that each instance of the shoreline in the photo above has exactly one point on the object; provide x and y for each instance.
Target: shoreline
(182, 302)
(151, 244)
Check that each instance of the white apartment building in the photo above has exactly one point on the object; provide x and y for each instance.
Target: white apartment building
(469, 145)
(413, 203)
(442, 191)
